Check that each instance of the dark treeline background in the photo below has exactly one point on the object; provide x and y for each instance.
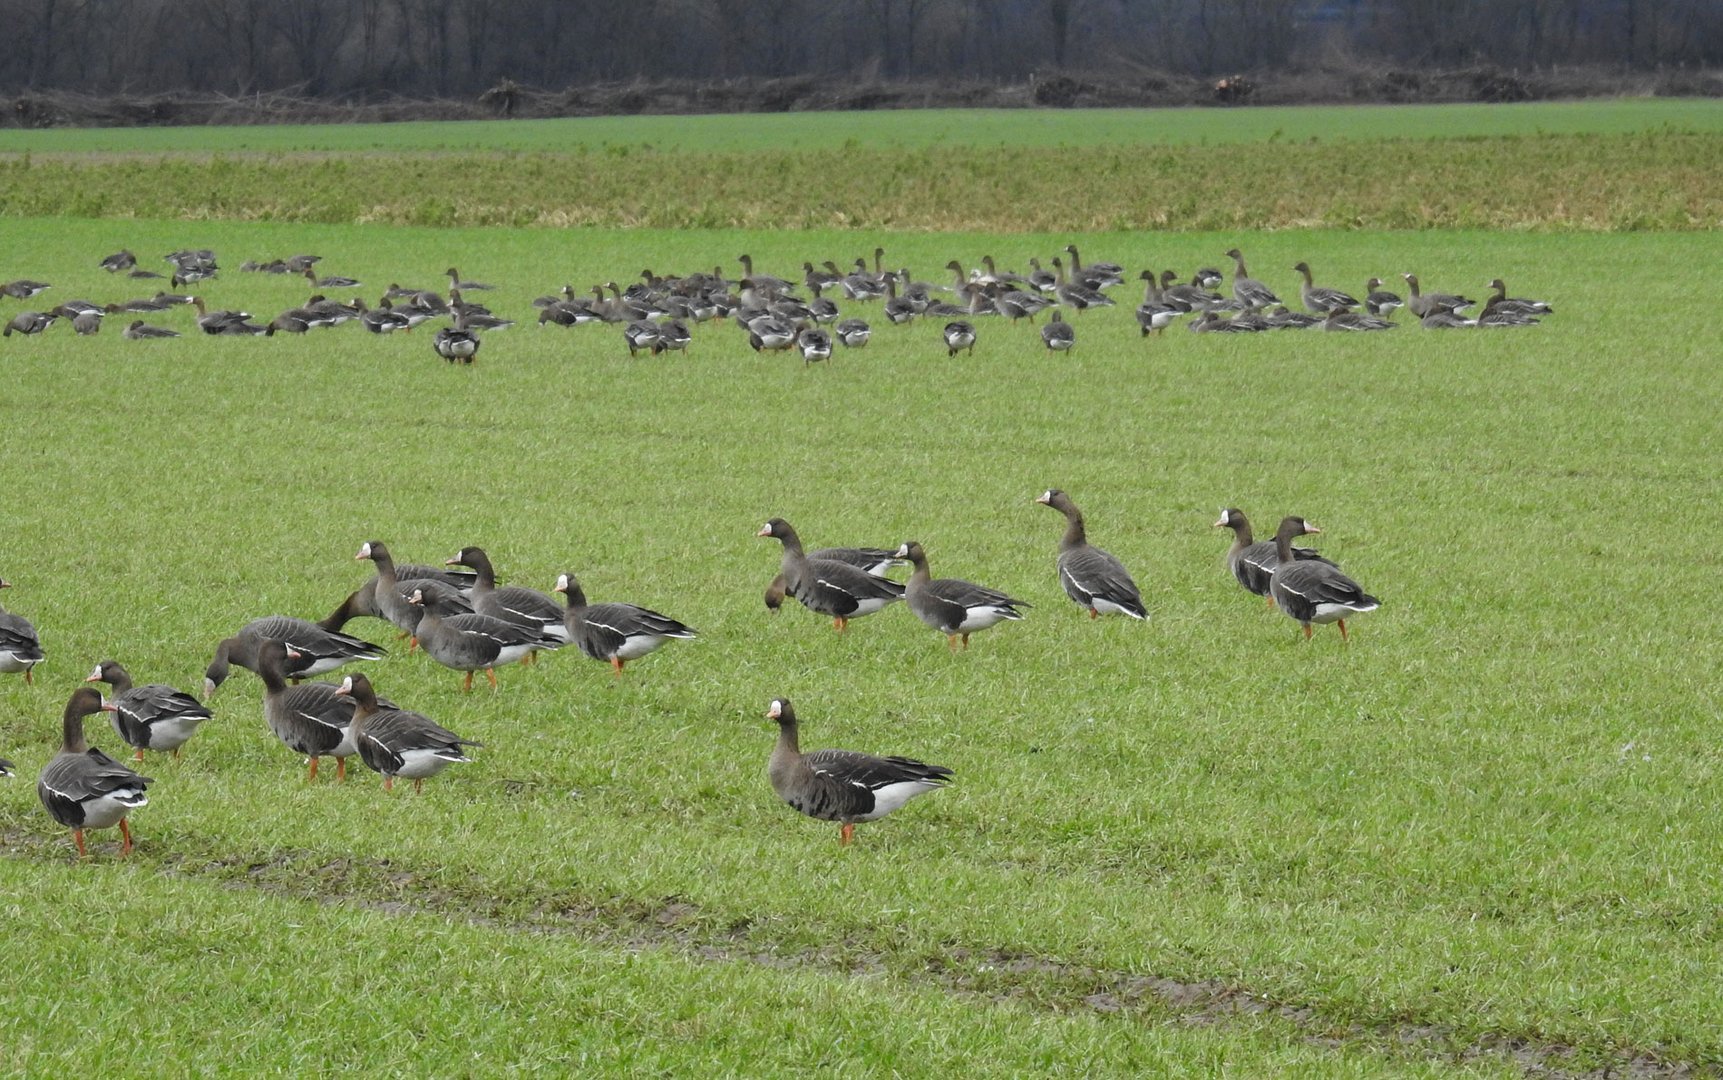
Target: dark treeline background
(359, 49)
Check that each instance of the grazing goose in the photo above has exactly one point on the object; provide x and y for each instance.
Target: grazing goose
(853, 333)
(614, 633)
(467, 641)
(1380, 302)
(1423, 303)
(119, 260)
(1507, 304)
(640, 334)
(1058, 335)
(1253, 561)
(394, 587)
(1497, 313)
(673, 336)
(225, 322)
(396, 742)
(1313, 590)
(28, 322)
(827, 586)
(362, 602)
(317, 649)
(1346, 319)
(875, 561)
(83, 788)
(843, 785)
(143, 331)
(24, 288)
(310, 719)
(1090, 576)
(456, 344)
(1321, 299)
(816, 345)
(333, 281)
(20, 647)
(513, 603)
(1246, 289)
(150, 717)
(955, 608)
(455, 282)
(959, 335)
(770, 335)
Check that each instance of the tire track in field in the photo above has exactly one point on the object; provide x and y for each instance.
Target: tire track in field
(999, 975)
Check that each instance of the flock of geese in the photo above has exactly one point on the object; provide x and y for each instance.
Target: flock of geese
(657, 313)
(460, 617)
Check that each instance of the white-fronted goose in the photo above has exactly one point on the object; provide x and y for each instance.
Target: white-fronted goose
(332, 281)
(467, 641)
(1321, 299)
(1058, 335)
(640, 334)
(1283, 318)
(393, 590)
(20, 646)
(512, 603)
(1075, 294)
(384, 319)
(395, 742)
(1096, 275)
(24, 288)
(225, 322)
(614, 633)
(1154, 314)
(1194, 296)
(119, 260)
(149, 717)
(362, 602)
(673, 336)
(765, 282)
(83, 788)
(826, 586)
(1313, 590)
(875, 561)
(310, 719)
(319, 649)
(843, 785)
(816, 345)
(1253, 561)
(1422, 303)
(1496, 313)
(1346, 319)
(456, 344)
(1503, 302)
(143, 331)
(27, 323)
(853, 333)
(1246, 289)
(959, 335)
(1090, 576)
(953, 607)
(1445, 319)
(455, 282)
(1379, 301)
(768, 334)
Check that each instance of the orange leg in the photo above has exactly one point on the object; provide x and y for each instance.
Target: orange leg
(1094, 614)
(176, 753)
(139, 756)
(412, 644)
(313, 774)
(847, 833)
(125, 839)
(467, 684)
(388, 782)
(966, 641)
(616, 666)
(1270, 600)
(1343, 637)
(491, 674)
(341, 769)
(1306, 631)
(27, 680)
(839, 623)
(951, 642)
(78, 839)
(418, 785)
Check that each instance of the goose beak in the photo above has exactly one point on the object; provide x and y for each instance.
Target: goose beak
(1223, 520)
(346, 687)
(1309, 528)
(364, 551)
(902, 552)
(561, 585)
(108, 706)
(456, 561)
(775, 710)
(765, 530)
(208, 688)
(94, 676)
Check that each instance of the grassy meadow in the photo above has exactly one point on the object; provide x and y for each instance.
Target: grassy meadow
(1479, 840)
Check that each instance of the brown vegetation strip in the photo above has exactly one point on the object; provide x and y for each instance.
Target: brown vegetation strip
(1547, 182)
(672, 923)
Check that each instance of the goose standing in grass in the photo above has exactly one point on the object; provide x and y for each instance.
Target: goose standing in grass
(83, 788)
(1154, 314)
(843, 785)
(1503, 302)
(395, 742)
(143, 331)
(954, 608)
(614, 633)
(1253, 561)
(512, 603)
(467, 641)
(673, 336)
(149, 717)
(873, 561)
(853, 333)
(24, 288)
(640, 334)
(1313, 590)
(1379, 301)
(309, 719)
(393, 588)
(959, 335)
(317, 649)
(827, 586)
(1423, 304)
(456, 344)
(1247, 290)
(1320, 299)
(816, 345)
(28, 323)
(20, 646)
(1058, 335)
(1091, 577)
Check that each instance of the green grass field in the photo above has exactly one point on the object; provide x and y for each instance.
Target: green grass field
(1477, 839)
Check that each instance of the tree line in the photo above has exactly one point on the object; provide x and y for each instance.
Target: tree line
(357, 49)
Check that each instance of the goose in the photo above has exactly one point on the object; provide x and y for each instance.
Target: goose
(853, 333)
(1423, 303)
(1207, 278)
(119, 260)
(1313, 590)
(1042, 281)
(1091, 577)
(899, 310)
(770, 335)
(1445, 319)
(640, 334)
(298, 264)
(150, 717)
(1193, 297)
(144, 274)
(1283, 318)
(393, 590)
(1497, 313)
(816, 279)
(1154, 314)
(1246, 289)
(83, 788)
(959, 335)
(1076, 294)
(763, 282)
(472, 319)
(24, 288)
(816, 345)
(317, 649)
(138, 306)
(395, 742)
(1096, 276)
(20, 647)
(455, 343)
(309, 719)
(875, 561)
(1503, 302)
(513, 603)
(28, 322)
(827, 586)
(7, 769)
(362, 602)
(843, 785)
(1058, 335)
(614, 633)
(384, 319)
(673, 336)
(332, 281)
(1321, 299)
(455, 282)
(1346, 319)
(1253, 561)
(823, 310)
(224, 322)
(467, 641)
(1380, 302)
(1213, 322)
(954, 608)
(1004, 277)
(288, 322)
